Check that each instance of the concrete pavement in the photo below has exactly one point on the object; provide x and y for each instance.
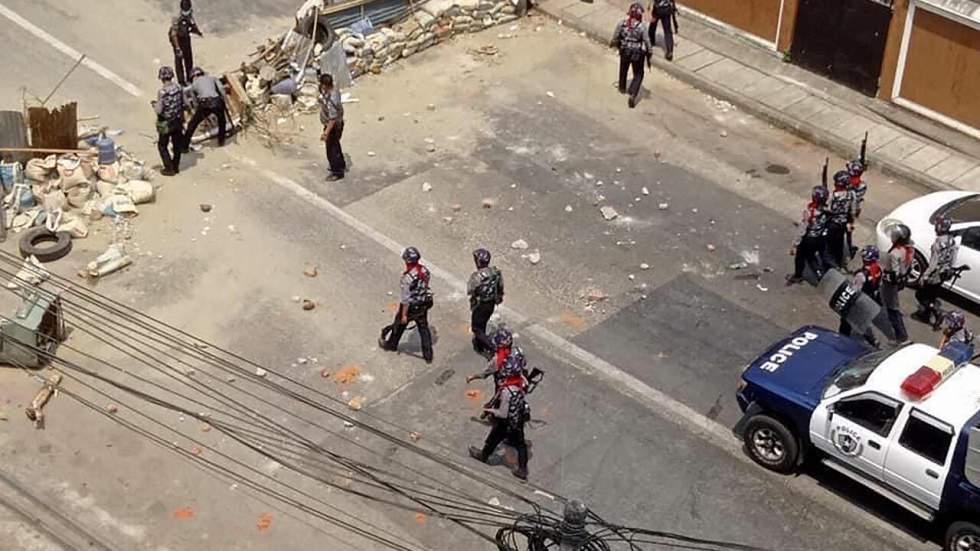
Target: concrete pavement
(819, 110)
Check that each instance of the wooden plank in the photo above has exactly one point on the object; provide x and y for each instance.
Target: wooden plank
(54, 128)
(13, 133)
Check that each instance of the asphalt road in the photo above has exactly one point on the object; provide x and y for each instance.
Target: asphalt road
(634, 414)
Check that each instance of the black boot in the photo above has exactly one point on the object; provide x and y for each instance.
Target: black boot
(477, 453)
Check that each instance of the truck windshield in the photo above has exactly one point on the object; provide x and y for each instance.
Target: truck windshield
(856, 372)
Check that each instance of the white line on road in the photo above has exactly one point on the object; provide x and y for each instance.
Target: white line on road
(74, 54)
(655, 400)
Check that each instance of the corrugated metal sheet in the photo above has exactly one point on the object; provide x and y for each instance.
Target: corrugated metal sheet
(379, 12)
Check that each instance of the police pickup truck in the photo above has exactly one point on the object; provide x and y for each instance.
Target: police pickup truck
(903, 421)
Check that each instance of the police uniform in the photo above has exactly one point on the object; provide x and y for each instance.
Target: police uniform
(634, 49)
(210, 95)
(169, 108)
(868, 281)
(811, 244)
(895, 269)
(665, 12)
(179, 34)
(416, 297)
(509, 417)
(841, 207)
(942, 258)
(332, 109)
(482, 304)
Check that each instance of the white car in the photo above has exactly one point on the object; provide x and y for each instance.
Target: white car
(963, 209)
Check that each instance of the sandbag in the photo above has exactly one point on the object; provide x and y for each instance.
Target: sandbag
(118, 204)
(105, 189)
(137, 190)
(38, 170)
(79, 195)
(109, 173)
(74, 225)
(70, 172)
(54, 200)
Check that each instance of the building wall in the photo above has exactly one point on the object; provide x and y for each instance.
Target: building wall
(893, 48)
(788, 25)
(756, 17)
(942, 70)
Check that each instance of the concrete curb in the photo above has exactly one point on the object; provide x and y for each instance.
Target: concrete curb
(773, 116)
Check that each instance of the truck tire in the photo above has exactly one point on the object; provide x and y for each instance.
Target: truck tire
(962, 536)
(33, 237)
(771, 444)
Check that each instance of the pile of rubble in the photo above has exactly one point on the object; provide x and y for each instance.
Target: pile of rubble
(284, 72)
(55, 198)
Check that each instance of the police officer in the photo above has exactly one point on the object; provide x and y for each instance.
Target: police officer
(486, 290)
(416, 300)
(954, 329)
(210, 96)
(181, 29)
(841, 222)
(941, 261)
(509, 416)
(495, 367)
(664, 11)
(169, 107)
(810, 246)
(634, 47)
(855, 171)
(895, 270)
(868, 281)
(332, 119)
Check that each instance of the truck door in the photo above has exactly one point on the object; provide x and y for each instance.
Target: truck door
(855, 430)
(918, 462)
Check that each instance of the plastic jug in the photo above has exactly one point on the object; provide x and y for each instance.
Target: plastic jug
(10, 174)
(107, 150)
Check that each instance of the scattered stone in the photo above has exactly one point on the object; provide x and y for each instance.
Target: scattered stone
(205, 428)
(520, 245)
(694, 211)
(645, 191)
(599, 183)
(568, 208)
(608, 212)
(325, 373)
(761, 288)
(534, 257)
(356, 403)
(657, 153)
(488, 203)
(456, 207)
(301, 361)
(232, 228)
(631, 277)
(663, 206)
(644, 266)
(724, 134)
(112, 408)
(494, 502)
(431, 148)
(414, 436)
(550, 94)
(589, 176)
(431, 107)
(206, 207)
(447, 219)
(738, 266)
(310, 271)
(295, 298)
(426, 187)
(595, 295)
(371, 153)
(308, 304)
(348, 425)
(710, 247)
(260, 372)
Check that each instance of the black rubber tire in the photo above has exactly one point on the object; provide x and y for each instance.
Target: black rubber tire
(34, 236)
(958, 530)
(761, 428)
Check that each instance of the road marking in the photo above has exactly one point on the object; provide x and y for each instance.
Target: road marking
(711, 431)
(74, 54)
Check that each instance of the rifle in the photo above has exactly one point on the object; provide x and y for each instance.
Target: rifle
(864, 151)
(823, 175)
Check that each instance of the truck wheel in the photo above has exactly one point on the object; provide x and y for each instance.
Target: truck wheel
(963, 536)
(771, 444)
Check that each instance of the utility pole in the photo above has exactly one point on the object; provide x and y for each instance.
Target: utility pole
(572, 532)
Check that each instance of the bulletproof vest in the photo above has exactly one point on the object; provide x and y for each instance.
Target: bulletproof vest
(172, 102)
(184, 26)
(663, 8)
(817, 223)
(517, 408)
(487, 289)
(840, 206)
(945, 246)
(420, 294)
(899, 259)
(872, 279)
(860, 190)
(632, 39)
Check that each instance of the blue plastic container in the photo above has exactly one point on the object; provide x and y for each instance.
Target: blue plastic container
(107, 150)
(10, 173)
